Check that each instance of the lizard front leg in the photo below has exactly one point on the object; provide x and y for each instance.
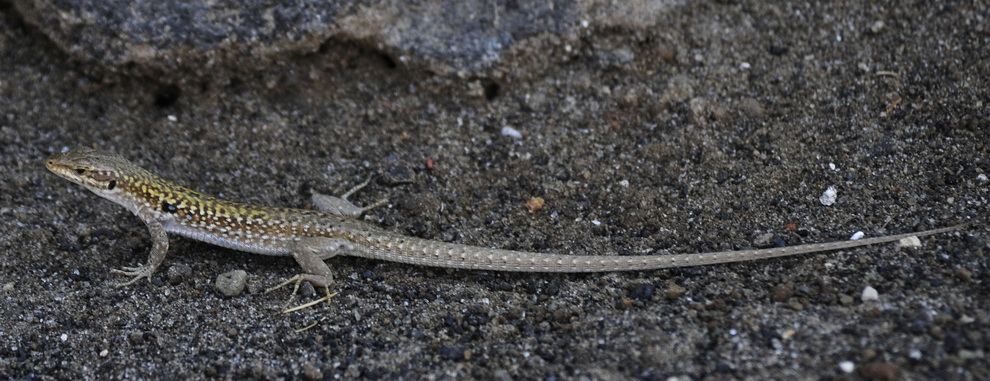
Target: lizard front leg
(159, 248)
(310, 253)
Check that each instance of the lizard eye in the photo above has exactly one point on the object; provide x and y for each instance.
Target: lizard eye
(112, 184)
(80, 171)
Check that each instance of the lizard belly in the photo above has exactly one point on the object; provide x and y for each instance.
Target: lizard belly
(254, 243)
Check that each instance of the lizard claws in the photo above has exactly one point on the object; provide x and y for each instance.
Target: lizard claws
(297, 280)
(136, 272)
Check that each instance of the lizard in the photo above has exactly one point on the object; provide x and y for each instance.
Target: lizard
(313, 236)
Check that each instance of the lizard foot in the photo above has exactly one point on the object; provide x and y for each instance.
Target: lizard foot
(136, 272)
(296, 281)
(343, 207)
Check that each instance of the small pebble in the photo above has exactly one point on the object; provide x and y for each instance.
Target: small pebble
(846, 300)
(534, 204)
(882, 371)
(136, 338)
(967, 354)
(796, 305)
(909, 242)
(963, 274)
(847, 366)
(782, 292)
(877, 26)
(828, 197)
(397, 174)
(8, 287)
(674, 291)
(856, 236)
(178, 273)
(642, 292)
(311, 372)
(511, 132)
(453, 353)
(870, 294)
(231, 283)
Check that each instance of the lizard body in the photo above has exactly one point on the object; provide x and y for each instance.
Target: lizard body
(312, 236)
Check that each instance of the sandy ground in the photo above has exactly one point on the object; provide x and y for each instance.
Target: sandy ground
(712, 126)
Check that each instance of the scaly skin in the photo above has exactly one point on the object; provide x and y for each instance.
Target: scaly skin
(311, 236)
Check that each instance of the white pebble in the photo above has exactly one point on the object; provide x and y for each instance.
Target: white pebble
(64, 337)
(847, 366)
(983, 178)
(857, 235)
(829, 196)
(909, 242)
(624, 183)
(511, 132)
(870, 294)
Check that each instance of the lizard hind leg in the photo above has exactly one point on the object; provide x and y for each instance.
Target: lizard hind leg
(310, 253)
(341, 206)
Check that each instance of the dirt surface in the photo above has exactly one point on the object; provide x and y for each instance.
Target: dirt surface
(678, 128)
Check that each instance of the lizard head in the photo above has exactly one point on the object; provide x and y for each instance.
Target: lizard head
(98, 171)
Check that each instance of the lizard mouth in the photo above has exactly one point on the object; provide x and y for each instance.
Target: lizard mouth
(69, 171)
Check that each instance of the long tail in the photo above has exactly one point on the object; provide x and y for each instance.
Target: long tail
(417, 251)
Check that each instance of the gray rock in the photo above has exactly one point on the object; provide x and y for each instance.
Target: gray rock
(231, 283)
(195, 38)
